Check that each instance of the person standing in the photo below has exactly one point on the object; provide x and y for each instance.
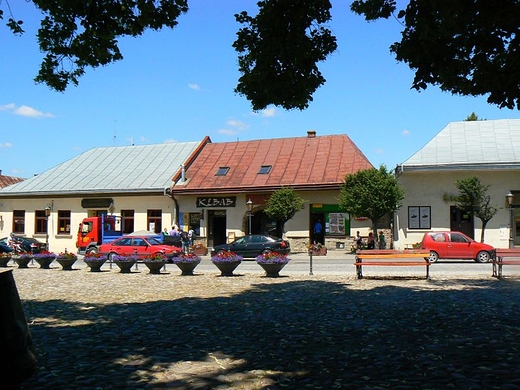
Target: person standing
(382, 243)
(318, 232)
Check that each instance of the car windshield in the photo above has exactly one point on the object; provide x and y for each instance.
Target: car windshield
(153, 241)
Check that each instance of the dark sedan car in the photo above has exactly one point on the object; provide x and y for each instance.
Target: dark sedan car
(253, 245)
(28, 244)
(4, 248)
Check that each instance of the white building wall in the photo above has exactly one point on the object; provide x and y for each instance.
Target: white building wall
(60, 242)
(437, 189)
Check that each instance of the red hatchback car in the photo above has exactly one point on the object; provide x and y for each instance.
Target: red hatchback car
(141, 245)
(455, 245)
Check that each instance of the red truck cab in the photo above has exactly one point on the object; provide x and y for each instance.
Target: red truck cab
(94, 231)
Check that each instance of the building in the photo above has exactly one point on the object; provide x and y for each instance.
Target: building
(489, 150)
(204, 185)
(130, 181)
(215, 190)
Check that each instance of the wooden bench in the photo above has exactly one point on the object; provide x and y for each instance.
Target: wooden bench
(392, 258)
(504, 257)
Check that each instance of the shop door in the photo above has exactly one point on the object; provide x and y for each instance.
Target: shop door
(315, 217)
(461, 221)
(216, 227)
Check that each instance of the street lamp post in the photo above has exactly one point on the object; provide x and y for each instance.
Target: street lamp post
(510, 197)
(47, 215)
(249, 205)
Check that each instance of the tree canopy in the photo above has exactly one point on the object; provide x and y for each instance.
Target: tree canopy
(473, 197)
(467, 47)
(371, 193)
(281, 207)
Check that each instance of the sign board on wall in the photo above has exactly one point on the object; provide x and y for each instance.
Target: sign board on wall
(217, 201)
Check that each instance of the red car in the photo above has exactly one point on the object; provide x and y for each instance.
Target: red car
(455, 245)
(142, 246)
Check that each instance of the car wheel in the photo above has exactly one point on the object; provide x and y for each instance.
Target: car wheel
(111, 256)
(221, 252)
(482, 257)
(267, 251)
(434, 256)
(92, 250)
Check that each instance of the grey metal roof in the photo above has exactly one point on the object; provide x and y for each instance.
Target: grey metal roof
(110, 169)
(470, 144)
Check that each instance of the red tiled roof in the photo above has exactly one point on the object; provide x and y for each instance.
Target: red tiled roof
(8, 180)
(302, 162)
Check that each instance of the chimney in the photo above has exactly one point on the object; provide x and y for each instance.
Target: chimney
(311, 133)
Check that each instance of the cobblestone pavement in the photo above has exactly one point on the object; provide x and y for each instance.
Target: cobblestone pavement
(139, 331)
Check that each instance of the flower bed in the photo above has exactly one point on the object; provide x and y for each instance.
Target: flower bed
(123, 258)
(272, 258)
(226, 257)
(93, 256)
(155, 258)
(44, 255)
(66, 256)
(186, 258)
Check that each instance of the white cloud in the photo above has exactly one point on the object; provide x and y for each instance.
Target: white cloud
(26, 111)
(239, 125)
(405, 132)
(6, 145)
(195, 87)
(268, 112)
(227, 132)
(9, 106)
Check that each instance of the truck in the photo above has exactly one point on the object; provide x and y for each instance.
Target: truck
(94, 231)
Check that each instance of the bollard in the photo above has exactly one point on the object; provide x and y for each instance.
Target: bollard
(16, 352)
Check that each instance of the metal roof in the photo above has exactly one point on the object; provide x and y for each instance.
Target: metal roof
(470, 144)
(310, 162)
(110, 169)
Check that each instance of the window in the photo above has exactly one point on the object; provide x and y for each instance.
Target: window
(155, 221)
(194, 222)
(419, 217)
(40, 225)
(264, 169)
(222, 171)
(63, 221)
(18, 221)
(127, 217)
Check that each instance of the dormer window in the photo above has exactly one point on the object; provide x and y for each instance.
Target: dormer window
(264, 169)
(222, 171)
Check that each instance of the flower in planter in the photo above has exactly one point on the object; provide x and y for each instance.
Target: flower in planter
(186, 258)
(94, 256)
(117, 258)
(272, 258)
(315, 246)
(226, 257)
(156, 257)
(23, 255)
(44, 255)
(6, 254)
(67, 255)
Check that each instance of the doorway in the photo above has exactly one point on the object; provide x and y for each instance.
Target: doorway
(217, 225)
(462, 221)
(315, 219)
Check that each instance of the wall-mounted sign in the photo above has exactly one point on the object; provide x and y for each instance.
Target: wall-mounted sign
(96, 203)
(217, 201)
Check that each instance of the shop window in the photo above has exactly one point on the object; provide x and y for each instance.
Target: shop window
(18, 221)
(419, 217)
(63, 221)
(155, 221)
(194, 222)
(127, 219)
(40, 223)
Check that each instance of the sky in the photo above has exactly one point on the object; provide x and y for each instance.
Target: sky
(177, 85)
